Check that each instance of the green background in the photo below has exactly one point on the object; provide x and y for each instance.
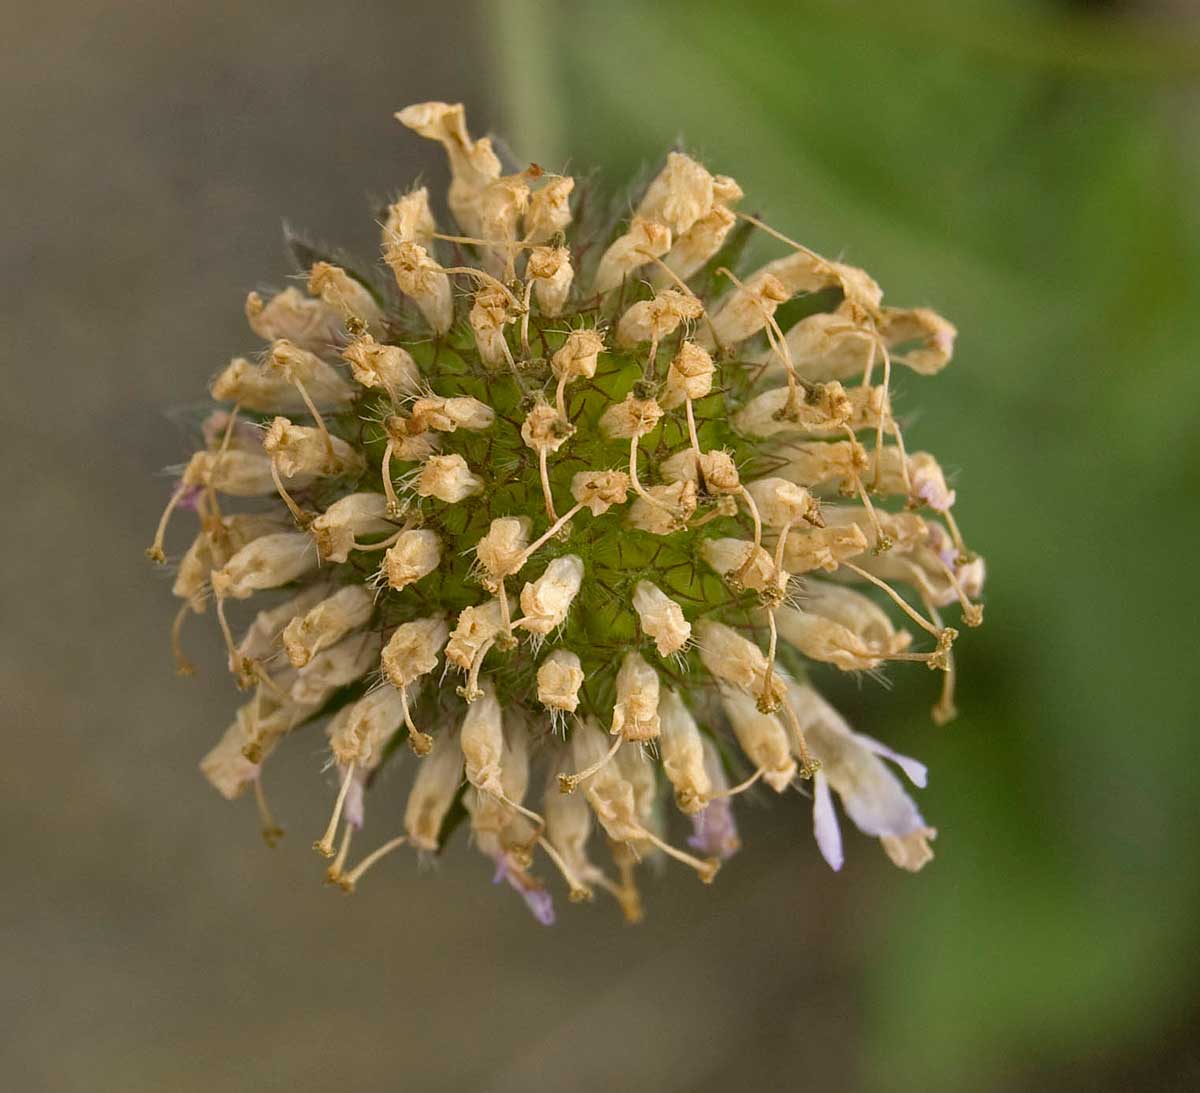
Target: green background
(1031, 173)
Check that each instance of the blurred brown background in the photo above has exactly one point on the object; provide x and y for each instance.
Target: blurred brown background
(1029, 168)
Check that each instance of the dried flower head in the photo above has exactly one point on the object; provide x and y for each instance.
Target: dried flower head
(562, 503)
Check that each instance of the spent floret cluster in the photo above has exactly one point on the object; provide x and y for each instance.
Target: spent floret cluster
(566, 506)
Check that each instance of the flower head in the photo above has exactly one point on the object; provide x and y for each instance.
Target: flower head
(567, 503)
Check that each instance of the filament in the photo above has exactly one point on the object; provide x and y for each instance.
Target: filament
(352, 878)
(271, 831)
(568, 783)
(324, 845)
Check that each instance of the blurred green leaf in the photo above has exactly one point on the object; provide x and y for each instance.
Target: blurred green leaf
(1018, 168)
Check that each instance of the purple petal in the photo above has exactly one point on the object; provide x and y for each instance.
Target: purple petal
(537, 899)
(935, 497)
(914, 769)
(714, 831)
(354, 804)
(540, 904)
(825, 823)
(189, 496)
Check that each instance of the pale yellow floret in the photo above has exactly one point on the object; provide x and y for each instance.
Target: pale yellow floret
(762, 737)
(690, 376)
(559, 678)
(421, 279)
(350, 298)
(327, 623)
(388, 367)
(550, 270)
(339, 529)
(643, 242)
(310, 323)
(448, 478)
(410, 219)
(546, 601)
(682, 749)
(635, 714)
(349, 660)
(661, 618)
(549, 209)
(433, 793)
(414, 554)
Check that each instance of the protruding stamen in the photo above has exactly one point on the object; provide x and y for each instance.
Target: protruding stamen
(693, 437)
(635, 482)
(882, 541)
(420, 742)
(183, 666)
(874, 344)
(525, 319)
(471, 690)
(560, 399)
(235, 659)
(302, 518)
(155, 550)
(768, 702)
(351, 879)
(333, 875)
(667, 270)
(887, 380)
(705, 868)
(535, 818)
(271, 831)
(549, 534)
(725, 506)
(899, 600)
(964, 555)
(473, 241)
(579, 892)
(781, 544)
(626, 893)
(809, 764)
(741, 787)
(486, 278)
(383, 544)
(944, 711)
(905, 474)
(569, 783)
(547, 496)
(972, 612)
(754, 515)
(776, 234)
(394, 507)
(226, 437)
(324, 845)
(779, 344)
(253, 669)
(317, 419)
